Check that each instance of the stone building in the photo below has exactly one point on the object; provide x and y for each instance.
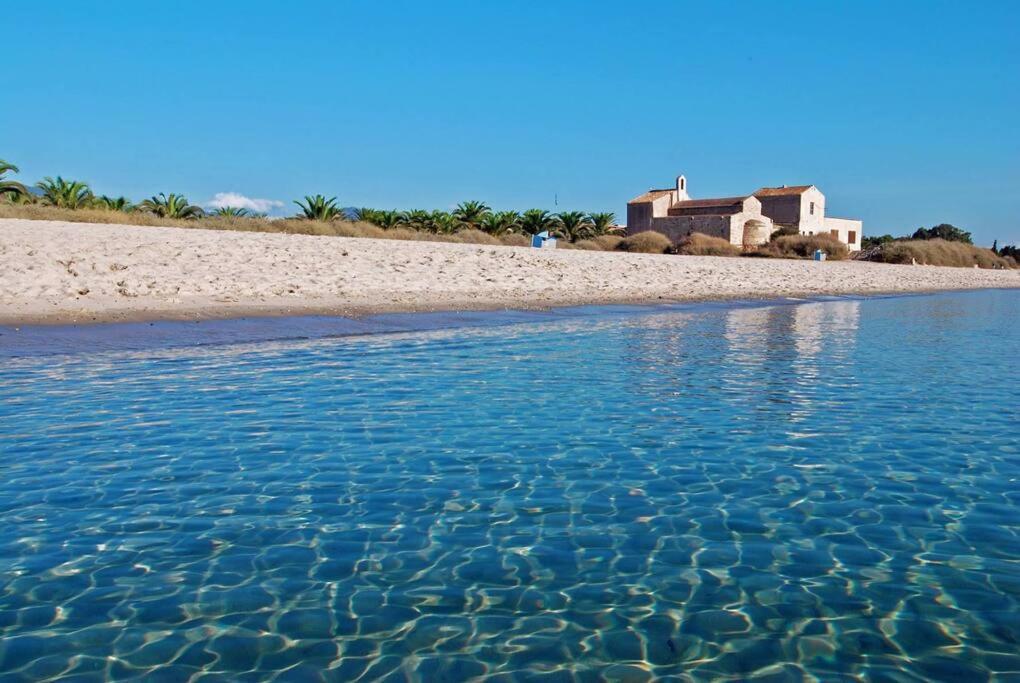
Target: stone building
(746, 221)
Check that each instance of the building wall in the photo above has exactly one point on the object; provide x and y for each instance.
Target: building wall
(783, 210)
(812, 223)
(846, 230)
(678, 227)
(640, 215)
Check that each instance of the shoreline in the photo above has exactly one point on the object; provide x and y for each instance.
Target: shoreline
(37, 340)
(219, 313)
(58, 273)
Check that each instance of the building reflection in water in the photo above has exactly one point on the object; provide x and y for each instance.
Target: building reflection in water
(782, 351)
(774, 353)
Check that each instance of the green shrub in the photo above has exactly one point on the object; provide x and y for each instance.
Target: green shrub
(783, 232)
(647, 242)
(697, 244)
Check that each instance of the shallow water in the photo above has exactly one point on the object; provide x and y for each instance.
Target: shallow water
(823, 491)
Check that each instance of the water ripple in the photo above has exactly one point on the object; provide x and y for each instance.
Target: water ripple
(815, 492)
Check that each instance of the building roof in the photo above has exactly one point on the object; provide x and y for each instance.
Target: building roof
(783, 191)
(714, 201)
(721, 206)
(650, 196)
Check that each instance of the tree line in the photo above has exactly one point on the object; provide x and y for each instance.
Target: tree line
(469, 215)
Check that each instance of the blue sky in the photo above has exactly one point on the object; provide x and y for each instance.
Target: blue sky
(903, 113)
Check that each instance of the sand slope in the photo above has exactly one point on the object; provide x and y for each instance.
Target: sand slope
(72, 272)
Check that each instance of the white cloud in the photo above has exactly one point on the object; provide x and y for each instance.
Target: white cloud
(238, 201)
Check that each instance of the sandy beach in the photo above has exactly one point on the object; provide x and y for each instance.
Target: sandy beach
(56, 272)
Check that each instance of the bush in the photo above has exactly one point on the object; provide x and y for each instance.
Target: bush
(697, 244)
(937, 252)
(647, 242)
(804, 246)
(783, 232)
(587, 245)
(514, 239)
(609, 242)
(473, 236)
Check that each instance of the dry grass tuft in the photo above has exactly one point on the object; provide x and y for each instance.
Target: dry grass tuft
(698, 244)
(473, 236)
(647, 242)
(39, 212)
(515, 240)
(804, 246)
(939, 253)
(401, 233)
(609, 242)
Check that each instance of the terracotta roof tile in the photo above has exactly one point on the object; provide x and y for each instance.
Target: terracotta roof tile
(782, 191)
(649, 196)
(715, 201)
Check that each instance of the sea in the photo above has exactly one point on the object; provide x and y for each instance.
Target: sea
(789, 490)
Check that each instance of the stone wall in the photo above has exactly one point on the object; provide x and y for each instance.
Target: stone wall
(678, 227)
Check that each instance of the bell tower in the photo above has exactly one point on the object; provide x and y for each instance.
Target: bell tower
(681, 189)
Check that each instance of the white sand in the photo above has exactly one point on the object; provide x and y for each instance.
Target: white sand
(73, 272)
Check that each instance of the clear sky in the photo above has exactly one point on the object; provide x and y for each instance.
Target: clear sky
(903, 113)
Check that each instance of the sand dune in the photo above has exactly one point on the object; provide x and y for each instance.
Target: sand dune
(72, 272)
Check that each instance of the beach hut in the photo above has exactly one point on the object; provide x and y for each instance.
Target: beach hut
(543, 240)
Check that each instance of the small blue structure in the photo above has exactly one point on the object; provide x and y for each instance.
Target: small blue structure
(819, 255)
(543, 241)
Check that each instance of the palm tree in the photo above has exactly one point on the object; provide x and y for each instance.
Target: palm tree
(318, 208)
(368, 215)
(534, 221)
(67, 194)
(171, 206)
(501, 222)
(418, 219)
(602, 223)
(572, 225)
(444, 223)
(231, 212)
(113, 203)
(470, 214)
(389, 219)
(10, 188)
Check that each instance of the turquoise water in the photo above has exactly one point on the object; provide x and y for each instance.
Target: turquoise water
(822, 491)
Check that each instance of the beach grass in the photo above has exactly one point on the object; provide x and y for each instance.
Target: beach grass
(804, 246)
(288, 226)
(697, 244)
(938, 252)
(647, 242)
